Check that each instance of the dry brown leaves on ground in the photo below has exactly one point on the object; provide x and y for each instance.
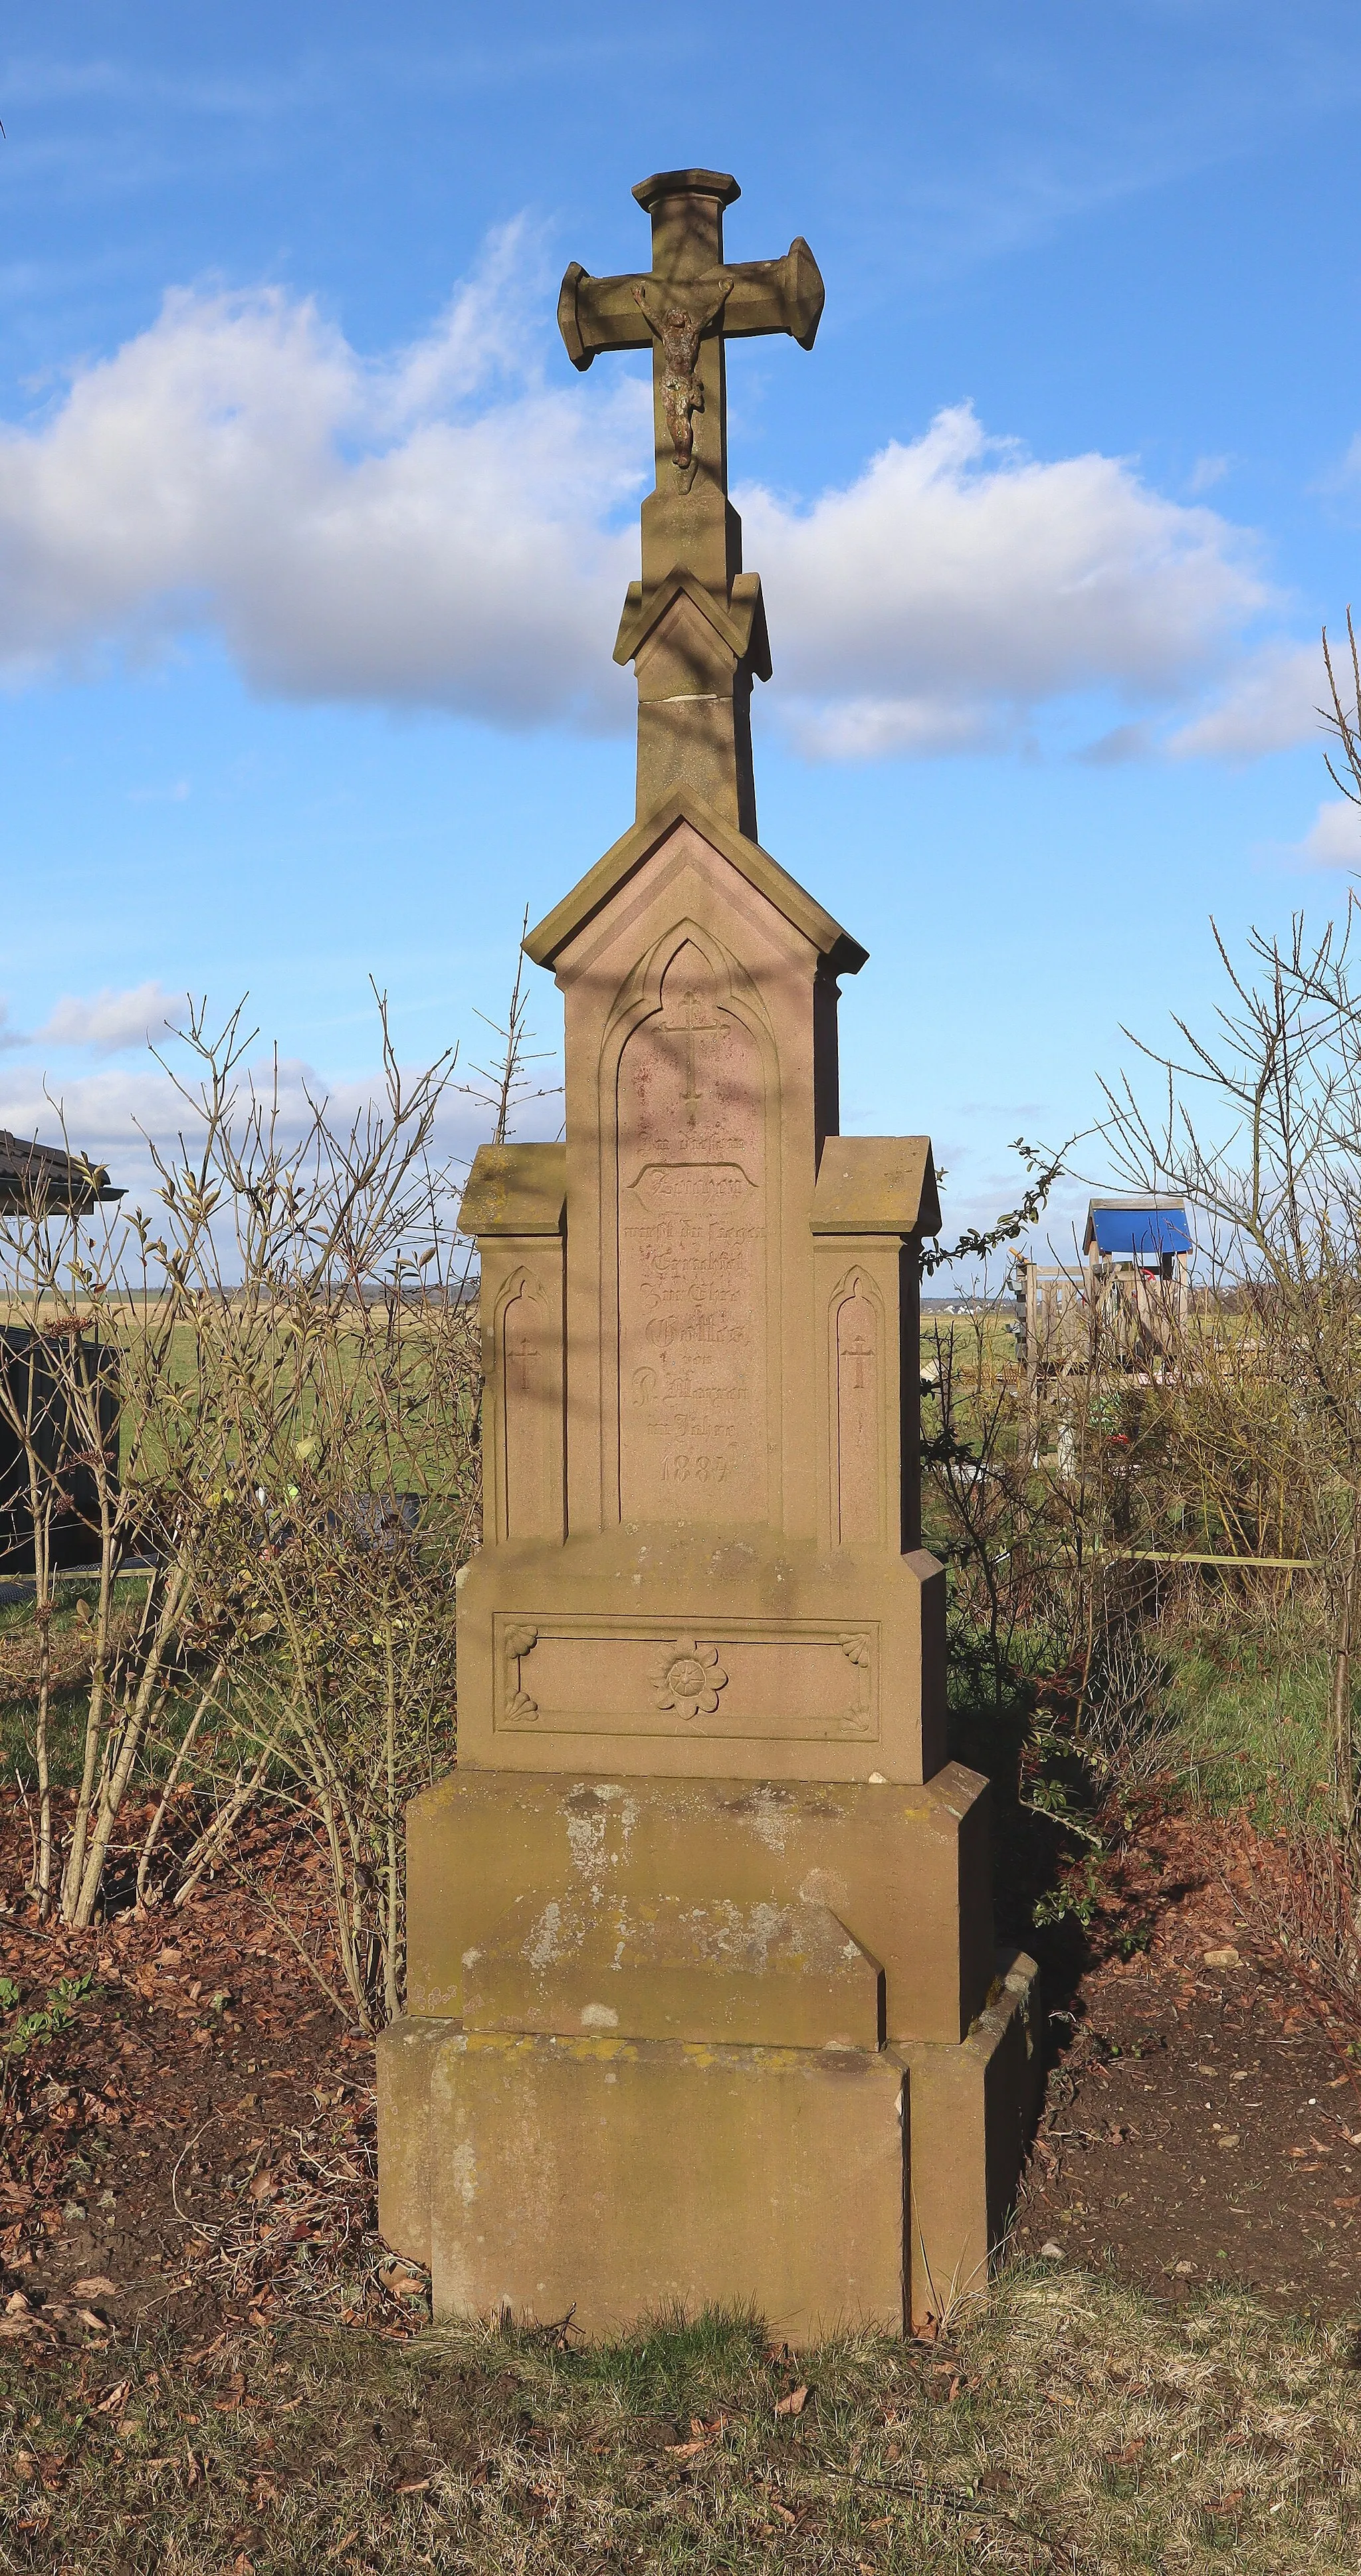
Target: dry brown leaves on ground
(198, 2135)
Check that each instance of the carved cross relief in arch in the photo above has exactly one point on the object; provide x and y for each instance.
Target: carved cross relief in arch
(688, 1012)
(693, 1283)
(857, 1433)
(531, 1416)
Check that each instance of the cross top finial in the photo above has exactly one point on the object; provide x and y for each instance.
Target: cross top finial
(694, 626)
(687, 183)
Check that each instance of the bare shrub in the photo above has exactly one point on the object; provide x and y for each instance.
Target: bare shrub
(296, 1477)
(1261, 1133)
(1304, 1895)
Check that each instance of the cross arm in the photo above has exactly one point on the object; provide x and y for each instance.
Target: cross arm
(776, 295)
(764, 295)
(596, 313)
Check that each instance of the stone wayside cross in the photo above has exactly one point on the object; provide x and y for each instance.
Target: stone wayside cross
(693, 627)
(703, 2001)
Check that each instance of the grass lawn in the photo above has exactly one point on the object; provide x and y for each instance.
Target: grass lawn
(1075, 2426)
(1248, 1714)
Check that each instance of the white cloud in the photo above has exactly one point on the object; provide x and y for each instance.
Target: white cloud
(424, 530)
(880, 728)
(95, 1112)
(1333, 839)
(1271, 702)
(109, 1020)
(440, 527)
(958, 585)
(9, 1037)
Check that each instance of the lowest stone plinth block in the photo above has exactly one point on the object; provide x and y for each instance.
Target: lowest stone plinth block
(823, 2187)
(622, 2177)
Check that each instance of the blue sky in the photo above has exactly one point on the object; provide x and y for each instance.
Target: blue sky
(312, 545)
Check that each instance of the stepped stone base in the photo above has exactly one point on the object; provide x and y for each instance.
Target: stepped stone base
(973, 2111)
(904, 1869)
(722, 1974)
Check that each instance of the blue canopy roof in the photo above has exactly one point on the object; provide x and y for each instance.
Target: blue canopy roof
(1140, 1233)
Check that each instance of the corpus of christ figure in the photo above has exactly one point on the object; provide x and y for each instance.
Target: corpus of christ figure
(680, 333)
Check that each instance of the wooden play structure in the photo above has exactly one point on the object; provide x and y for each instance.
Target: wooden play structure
(1124, 1306)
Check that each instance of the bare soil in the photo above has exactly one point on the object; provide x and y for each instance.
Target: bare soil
(195, 2148)
(1202, 2124)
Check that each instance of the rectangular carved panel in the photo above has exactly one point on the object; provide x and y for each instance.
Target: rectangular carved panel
(744, 1678)
(693, 1285)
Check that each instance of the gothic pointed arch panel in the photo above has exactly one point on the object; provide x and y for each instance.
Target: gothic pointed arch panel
(692, 1177)
(530, 1460)
(857, 1412)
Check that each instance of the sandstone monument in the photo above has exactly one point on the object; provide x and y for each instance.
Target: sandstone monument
(703, 2001)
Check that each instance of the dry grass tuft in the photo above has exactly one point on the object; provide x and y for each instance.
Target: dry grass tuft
(1075, 2426)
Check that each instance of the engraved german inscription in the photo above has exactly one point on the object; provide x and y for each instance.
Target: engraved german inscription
(693, 1430)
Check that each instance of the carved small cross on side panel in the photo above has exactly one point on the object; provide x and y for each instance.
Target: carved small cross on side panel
(520, 1359)
(687, 307)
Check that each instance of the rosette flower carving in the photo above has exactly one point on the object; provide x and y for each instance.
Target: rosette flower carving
(688, 1678)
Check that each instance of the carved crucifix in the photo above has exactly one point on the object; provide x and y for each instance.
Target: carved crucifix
(693, 1021)
(688, 306)
(693, 626)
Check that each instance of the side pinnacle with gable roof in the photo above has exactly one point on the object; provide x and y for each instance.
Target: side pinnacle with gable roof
(694, 627)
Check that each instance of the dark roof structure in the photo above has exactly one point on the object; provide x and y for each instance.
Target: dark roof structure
(1137, 1229)
(42, 1180)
